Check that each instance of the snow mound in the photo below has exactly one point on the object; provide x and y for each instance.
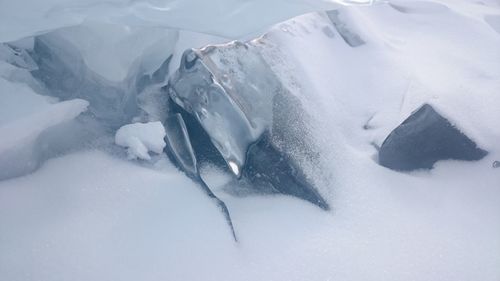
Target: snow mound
(141, 138)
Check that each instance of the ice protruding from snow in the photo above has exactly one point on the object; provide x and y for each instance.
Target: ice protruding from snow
(229, 88)
(424, 138)
(53, 220)
(141, 138)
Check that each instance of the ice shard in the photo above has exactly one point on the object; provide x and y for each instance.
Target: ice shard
(232, 93)
(181, 152)
(423, 139)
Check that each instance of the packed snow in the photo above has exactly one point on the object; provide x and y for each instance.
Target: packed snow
(74, 206)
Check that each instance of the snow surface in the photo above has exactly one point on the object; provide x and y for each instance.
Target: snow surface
(91, 214)
(230, 18)
(141, 138)
(24, 116)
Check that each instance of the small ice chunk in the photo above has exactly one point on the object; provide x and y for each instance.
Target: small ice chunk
(141, 138)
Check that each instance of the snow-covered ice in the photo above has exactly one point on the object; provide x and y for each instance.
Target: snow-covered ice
(24, 116)
(89, 213)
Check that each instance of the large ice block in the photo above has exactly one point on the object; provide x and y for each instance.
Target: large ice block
(229, 89)
(246, 112)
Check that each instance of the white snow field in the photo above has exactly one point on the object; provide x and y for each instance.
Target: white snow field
(73, 206)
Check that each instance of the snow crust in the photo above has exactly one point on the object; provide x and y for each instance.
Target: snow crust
(141, 138)
(88, 213)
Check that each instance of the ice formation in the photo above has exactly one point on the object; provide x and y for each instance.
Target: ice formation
(239, 102)
(181, 152)
(72, 206)
(424, 138)
(230, 90)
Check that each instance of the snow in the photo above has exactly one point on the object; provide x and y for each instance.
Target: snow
(21, 126)
(91, 214)
(141, 138)
(229, 18)
(103, 218)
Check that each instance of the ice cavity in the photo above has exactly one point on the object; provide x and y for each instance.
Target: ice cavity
(141, 138)
(48, 80)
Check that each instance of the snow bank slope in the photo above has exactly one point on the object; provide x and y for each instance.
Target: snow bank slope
(87, 216)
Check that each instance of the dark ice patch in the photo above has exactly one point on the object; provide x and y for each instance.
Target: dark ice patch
(423, 139)
(62, 70)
